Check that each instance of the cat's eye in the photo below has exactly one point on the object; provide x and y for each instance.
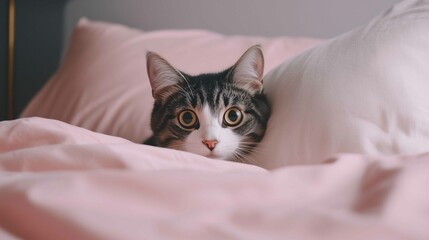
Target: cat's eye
(232, 117)
(188, 119)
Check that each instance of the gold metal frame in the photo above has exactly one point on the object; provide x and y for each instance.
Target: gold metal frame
(10, 65)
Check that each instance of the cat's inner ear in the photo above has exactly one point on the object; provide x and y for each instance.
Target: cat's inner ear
(248, 71)
(164, 78)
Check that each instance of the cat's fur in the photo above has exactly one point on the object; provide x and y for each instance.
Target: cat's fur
(199, 113)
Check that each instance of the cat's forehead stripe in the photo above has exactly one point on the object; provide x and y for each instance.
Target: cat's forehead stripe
(217, 99)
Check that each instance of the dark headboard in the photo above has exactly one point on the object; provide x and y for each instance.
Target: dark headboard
(3, 58)
(38, 28)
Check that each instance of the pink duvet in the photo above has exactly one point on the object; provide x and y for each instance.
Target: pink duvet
(58, 181)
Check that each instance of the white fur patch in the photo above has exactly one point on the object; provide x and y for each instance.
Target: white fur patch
(211, 129)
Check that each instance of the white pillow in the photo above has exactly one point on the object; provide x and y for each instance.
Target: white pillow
(366, 91)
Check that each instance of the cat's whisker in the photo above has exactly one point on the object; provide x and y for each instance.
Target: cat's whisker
(249, 154)
(246, 158)
(253, 147)
(236, 157)
(183, 92)
(187, 82)
(255, 150)
(250, 159)
(247, 148)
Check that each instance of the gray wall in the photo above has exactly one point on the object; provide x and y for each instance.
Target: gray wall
(314, 18)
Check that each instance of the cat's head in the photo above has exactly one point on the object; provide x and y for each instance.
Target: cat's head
(219, 115)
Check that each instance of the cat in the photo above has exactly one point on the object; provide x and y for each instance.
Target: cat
(218, 115)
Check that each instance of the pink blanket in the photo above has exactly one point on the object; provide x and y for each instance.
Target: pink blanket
(58, 181)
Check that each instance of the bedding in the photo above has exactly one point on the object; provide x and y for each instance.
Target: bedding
(59, 181)
(68, 180)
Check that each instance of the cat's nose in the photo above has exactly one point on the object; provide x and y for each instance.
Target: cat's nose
(211, 144)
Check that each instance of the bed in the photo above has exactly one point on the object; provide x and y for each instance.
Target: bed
(345, 155)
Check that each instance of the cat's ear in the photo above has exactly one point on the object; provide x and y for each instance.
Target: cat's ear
(164, 78)
(248, 71)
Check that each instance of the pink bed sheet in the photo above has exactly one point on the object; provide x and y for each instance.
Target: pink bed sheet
(58, 181)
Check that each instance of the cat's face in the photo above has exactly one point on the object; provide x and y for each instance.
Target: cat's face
(218, 115)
